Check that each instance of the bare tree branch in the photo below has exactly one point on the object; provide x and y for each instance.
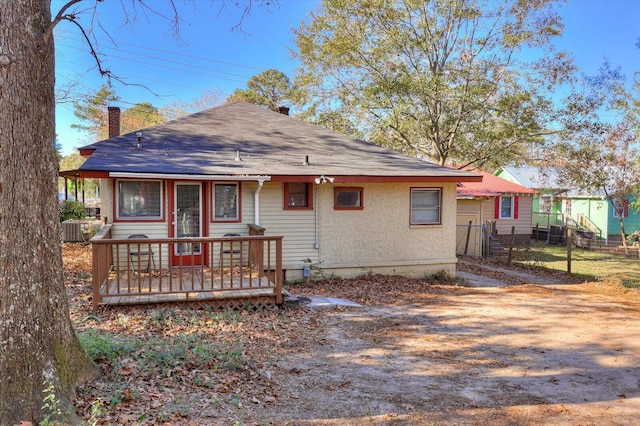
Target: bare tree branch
(59, 17)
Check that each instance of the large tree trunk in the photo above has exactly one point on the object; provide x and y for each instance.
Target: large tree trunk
(37, 341)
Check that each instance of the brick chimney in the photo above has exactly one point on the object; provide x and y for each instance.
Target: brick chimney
(283, 110)
(114, 121)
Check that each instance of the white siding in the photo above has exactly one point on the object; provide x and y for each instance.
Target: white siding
(218, 229)
(296, 226)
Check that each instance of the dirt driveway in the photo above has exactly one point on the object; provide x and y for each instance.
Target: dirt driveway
(527, 354)
(514, 349)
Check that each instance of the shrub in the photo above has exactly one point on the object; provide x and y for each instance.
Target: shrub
(70, 209)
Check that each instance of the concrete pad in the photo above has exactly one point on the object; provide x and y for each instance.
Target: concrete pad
(329, 302)
(473, 280)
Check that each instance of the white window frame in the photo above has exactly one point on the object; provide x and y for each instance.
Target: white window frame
(511, 207)
(415, 208)
(546, 201)
(119, 214)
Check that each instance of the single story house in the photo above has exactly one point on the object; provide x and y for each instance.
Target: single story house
(496, 206)
(555, 204)
(341, 206)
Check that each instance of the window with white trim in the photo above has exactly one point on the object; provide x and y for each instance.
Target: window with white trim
(506, 207)
(225, 201)
(425, 206)
(545, 204)
(139, 199)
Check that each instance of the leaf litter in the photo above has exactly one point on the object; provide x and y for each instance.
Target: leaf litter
(419, 352)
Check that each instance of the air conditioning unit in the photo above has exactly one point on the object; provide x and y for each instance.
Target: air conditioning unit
(73, 231)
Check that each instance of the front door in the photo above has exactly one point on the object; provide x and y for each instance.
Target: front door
(187, 222)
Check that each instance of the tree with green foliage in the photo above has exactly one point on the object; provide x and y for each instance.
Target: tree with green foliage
(270, 89)
(71, 209)
(443, 80)
(140, 116)
(601, 155)
(92, 111)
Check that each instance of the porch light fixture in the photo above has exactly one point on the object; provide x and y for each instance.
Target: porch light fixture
(139, 141)
(324, 179)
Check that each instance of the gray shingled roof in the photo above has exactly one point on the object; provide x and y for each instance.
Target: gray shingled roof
(270, 144)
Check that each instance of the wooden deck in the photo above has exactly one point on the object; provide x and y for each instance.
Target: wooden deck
(122, 279)
(130, 288)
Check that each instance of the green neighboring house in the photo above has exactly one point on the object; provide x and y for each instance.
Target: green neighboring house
(556, 205)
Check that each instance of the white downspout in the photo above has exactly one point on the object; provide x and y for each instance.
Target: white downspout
(316, 207)
(256, 202)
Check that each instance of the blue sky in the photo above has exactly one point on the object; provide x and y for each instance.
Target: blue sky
(211, 56)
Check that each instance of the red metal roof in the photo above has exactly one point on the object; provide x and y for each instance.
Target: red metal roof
(491, 186)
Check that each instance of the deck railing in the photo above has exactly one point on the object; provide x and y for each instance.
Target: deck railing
(154, 270)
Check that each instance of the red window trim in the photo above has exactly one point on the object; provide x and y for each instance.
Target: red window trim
(514, 215)
(163, 199)
(309, 205)
(213, 202)
(337, 190)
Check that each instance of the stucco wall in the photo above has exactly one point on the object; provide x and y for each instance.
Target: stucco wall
(379, 238)
(106, 200)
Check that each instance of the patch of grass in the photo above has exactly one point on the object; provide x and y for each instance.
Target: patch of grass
(105, 346)
(164, 355)
(590, 265)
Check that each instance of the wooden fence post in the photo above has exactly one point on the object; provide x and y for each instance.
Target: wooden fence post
(466, 246)
(487, 245)
(569, 250)
(511, 244)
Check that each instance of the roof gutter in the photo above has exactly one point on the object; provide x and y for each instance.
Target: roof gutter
(176, 176)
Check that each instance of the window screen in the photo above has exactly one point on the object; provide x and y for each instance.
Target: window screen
(225, 200)
(139, 199)
(425, 206)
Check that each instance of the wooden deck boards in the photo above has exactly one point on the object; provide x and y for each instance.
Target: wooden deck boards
(125, 288)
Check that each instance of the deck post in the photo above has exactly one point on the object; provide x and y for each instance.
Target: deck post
(256, 248)
(97, 273)
(278, 288)
(102, 258)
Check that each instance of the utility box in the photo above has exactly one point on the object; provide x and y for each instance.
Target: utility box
(78, 230)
